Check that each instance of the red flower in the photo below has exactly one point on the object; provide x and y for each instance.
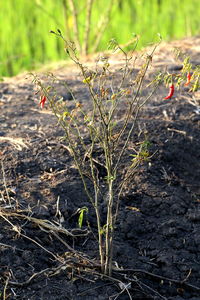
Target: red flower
(188, 78)
(42, 101)
(171, 92)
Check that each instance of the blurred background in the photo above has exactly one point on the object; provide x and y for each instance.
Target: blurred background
(25, 41)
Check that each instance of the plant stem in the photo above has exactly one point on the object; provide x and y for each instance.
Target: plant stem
(76, 27)
(87, 27)
(109, 231)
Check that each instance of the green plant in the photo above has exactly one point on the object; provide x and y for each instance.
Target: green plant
(82, 37)
(81, 212)
(109, 124)
(189, 77)
(30, 46)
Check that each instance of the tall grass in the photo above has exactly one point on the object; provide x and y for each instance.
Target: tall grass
(24, 26)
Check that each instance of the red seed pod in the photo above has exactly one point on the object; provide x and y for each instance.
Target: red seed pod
(171, 92)
(188, 78)
(42, 101)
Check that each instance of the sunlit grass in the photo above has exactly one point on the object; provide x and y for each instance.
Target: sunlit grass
(25, 24)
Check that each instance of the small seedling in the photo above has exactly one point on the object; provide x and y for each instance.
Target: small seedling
(82, 211)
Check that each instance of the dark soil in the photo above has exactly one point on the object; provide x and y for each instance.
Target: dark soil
(157, 245)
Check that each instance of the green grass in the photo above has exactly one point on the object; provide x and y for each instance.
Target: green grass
(25, 24)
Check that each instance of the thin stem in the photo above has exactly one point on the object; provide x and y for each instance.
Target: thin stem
(87, 26)
(66, 17)
(149, 59)
(75, 24)
(100, 240)
(101, 27)
(109, 231)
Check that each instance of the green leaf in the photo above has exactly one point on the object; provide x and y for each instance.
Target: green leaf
(81, 215)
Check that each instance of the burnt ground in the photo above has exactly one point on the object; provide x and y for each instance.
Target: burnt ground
(157, 245)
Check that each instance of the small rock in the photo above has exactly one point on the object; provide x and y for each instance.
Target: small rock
(194, 215)
(173, 68)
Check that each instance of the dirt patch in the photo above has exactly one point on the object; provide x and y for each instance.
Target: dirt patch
(157, 247)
